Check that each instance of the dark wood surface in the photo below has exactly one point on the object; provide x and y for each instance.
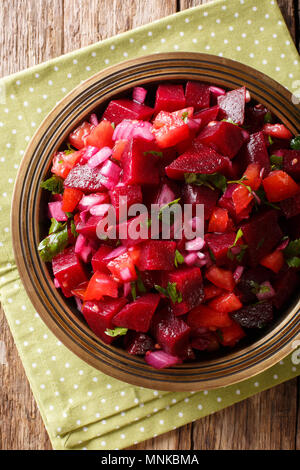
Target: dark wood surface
(32, 31)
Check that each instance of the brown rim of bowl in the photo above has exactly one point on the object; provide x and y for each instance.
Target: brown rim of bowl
(60, 317)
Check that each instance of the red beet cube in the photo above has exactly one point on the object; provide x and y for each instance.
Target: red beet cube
(171, 333)
(98, 263)
(255, 151)
(291, 206)
(219, 244)
(133, 195)
(224, 137)
(117, 110)
(257, 315)
(189, 284)
(290, 162)
(207, 115)
(285, 286)
(169, 97)
(232, 105)
(197, 94)
(194, 195)
(156, 255)
(261, 234)
(86, 179)
(198, 159)
(89, 228)
(68, 270)
(140, 166)
(254, 118)
(138, 314)
(99, 315)
(138, 343)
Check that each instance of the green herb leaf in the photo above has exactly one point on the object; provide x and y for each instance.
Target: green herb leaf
(116, 332)
(293, 262)
(259, 288)
(56, 226)
(55, 184)
(212, 181)
(113, 125)
(170, 292)
(161, 210)
(262, 196)
(276, 162)
(295, 143)
(153, 152)
(239, 256)
(292, 253)
(179, 259)
(70, 150)
(271, 141)
(140, 285)
(185, 116)
(268, 117)
(240, 181)
(230, 121)
(239, 235)
(73, 229)
(212, 256)
(133, 290)
(53, 244)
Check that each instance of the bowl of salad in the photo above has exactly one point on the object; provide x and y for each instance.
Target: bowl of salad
(160, 238)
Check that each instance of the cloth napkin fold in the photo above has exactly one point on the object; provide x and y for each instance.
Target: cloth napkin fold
(81, 407)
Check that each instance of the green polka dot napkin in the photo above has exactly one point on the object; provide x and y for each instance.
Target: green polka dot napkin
(81, 407)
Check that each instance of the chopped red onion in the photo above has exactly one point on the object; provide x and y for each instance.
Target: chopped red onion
(201, 255)
(161, 360)
(111, 170)
(115, 253)
(194, 124)
(91, 200)
(128, 129)
(139, 94)
(127, 288)
(217, 91)
(78, 303)
(212, 123)
(246, 135)
(195, 245)
(247, 96)
(84, 215)
(100, 209)
(238, 273)
(88, 153)
(190, 259)
(166, 195)
(125, 274)
(283, 245)
(100, 157)
(56, 212)
(266, 295)
(57, 283)
(84, 248)
(235, 250)
(256, 197)
(94, 119)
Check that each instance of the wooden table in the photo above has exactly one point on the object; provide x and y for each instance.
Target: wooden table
(32, 31)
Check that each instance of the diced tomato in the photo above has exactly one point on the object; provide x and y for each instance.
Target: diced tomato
(211, 291)
(122, 268)
(101, 284)
(71, 198)
(278, 186)
(77, 138)
(206, 317)
(171, 128)
(226, 303)
(230, 335)
(218, 221)
(273, 261)
(241, 198)
(252, 176)
(280, 131)
(101, 135)
(63, 163)
(221, 278)
(80, 290)
(119, 149)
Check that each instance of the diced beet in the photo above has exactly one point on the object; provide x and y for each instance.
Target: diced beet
(139, 163)
(290, 162)
(255, 151)
(224, 137)
(219, 244)
(68, 270)
(284, 286)
(138, 343)
(167, 192)
(254, 118)
(291, 206)
(117, 110)
(150, 278)
(226, 202)
(98, 263)
(189, 284)
(249, 279)
(169, 97)
(232, 105)
(86, 179)
(171, 333)
(138, 314)
(99, 315)
(89, 228)
(132, 193)
(207, 115)
(197, 95)
(194, 195)
(261, 234)
(156, 254)
(254, 316)
(203, 340)
(198, 159)
(293, 225)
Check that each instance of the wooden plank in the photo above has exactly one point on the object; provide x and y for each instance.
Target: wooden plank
(289, 11)
(30, 33)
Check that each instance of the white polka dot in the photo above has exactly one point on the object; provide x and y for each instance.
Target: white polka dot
(17, 322)
(142, 429)
(161, 421)
(53, 358)
(149, 33)
(131, 40)
(106, 61)
(50, 82)
(200, 407)
(90, 394)
(194, 40)
(80, 372)
(187, 20)
(34, 365)
(256, 384)
(180, 414)
(200, 27)
(103, 443)
(275, 376)
(238, 392)
(18, 82)
(62, 379)
(219, 399)
(42, 386)
(122, 436)
(112, 47)
(75, 386)
(25, 103)
(95, 379)
(37, 75)
(78, 422)
(88, 68)
(69, 75)
(125, 54)
(108, 386)
(103, 400)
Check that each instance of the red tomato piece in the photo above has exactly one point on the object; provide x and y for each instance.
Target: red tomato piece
(252, 176)
(101, 135)
(206, 317)
(280, 131)
(278, 186)
(71, 198)
(80, 290)
(122, 268)
(171, 128)
(211, 291)
(218, 221)
(59, 166)
(101, 284)
(119, 149)
(226, 303)
(221, 278)
(230, 335)
(241, 198)
(77, 138)
(273, 261)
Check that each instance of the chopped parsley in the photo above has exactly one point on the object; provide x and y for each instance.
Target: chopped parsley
(54, 243)
(170, 292)
(179, 259)
(295, 143)
(292, 253)
(153, 152)
(55, 184)
(276, 162)
(212, 181)
(268, 117)
(116, 332)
